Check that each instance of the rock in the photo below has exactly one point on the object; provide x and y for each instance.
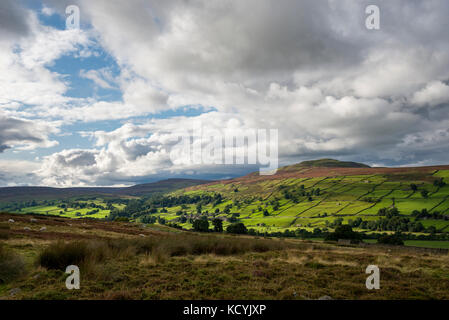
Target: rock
(325, 298)
(14, 291)
(33, 220)
(26, 229)
(11, 221)
(142, 235)
(43, 229)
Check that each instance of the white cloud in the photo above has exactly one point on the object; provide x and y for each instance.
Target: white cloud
(24, 76)
(47, 11)
(102, 77)
(24, 134)
(18, 172)
(435, 93)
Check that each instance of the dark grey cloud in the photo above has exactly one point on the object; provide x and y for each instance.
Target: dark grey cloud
(76, 158)
(13, 19)
(14, 131)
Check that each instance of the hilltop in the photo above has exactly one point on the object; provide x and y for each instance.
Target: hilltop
(327, 163)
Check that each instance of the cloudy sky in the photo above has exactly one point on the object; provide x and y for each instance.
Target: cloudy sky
(100, 105)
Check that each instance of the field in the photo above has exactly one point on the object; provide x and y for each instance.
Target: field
(297, 197)
(84, 208)
(340, 196)
(134, 261)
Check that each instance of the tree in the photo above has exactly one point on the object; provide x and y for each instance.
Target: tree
(237, 228)
(425, 193)
(431, 230)
(344, 232)
(218, 225)
(414, 187)
(265, 213)
(439, 183)
(393, 239)
(148, 219)
(201, 225)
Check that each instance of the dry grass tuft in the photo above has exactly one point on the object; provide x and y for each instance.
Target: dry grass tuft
(12, 265)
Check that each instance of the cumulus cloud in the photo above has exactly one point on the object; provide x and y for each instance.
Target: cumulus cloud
(146, 151)
(25, 134)
(18, 172)
(435, 93)
(24, 74)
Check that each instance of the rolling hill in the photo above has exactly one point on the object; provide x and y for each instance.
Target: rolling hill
(317, 193)
(38, 193)
(312, 194)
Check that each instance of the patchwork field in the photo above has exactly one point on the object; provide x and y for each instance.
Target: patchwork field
(340, 196)
(306, 196)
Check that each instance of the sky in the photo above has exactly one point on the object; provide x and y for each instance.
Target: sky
(103, 104)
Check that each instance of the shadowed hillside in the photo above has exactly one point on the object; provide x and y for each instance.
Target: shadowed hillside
(327, 163)
(30, 193)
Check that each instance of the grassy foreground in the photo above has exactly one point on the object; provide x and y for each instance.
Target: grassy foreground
(129, 261)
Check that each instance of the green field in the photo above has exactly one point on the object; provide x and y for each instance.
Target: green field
(279, 204)
(70, 211)
(348, 197)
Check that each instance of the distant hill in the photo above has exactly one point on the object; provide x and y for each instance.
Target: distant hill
(331, 163)
(30, 193)
(160, 186)
(322, 163)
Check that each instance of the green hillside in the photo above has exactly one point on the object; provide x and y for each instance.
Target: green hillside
(418, 198)
(314, 194)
